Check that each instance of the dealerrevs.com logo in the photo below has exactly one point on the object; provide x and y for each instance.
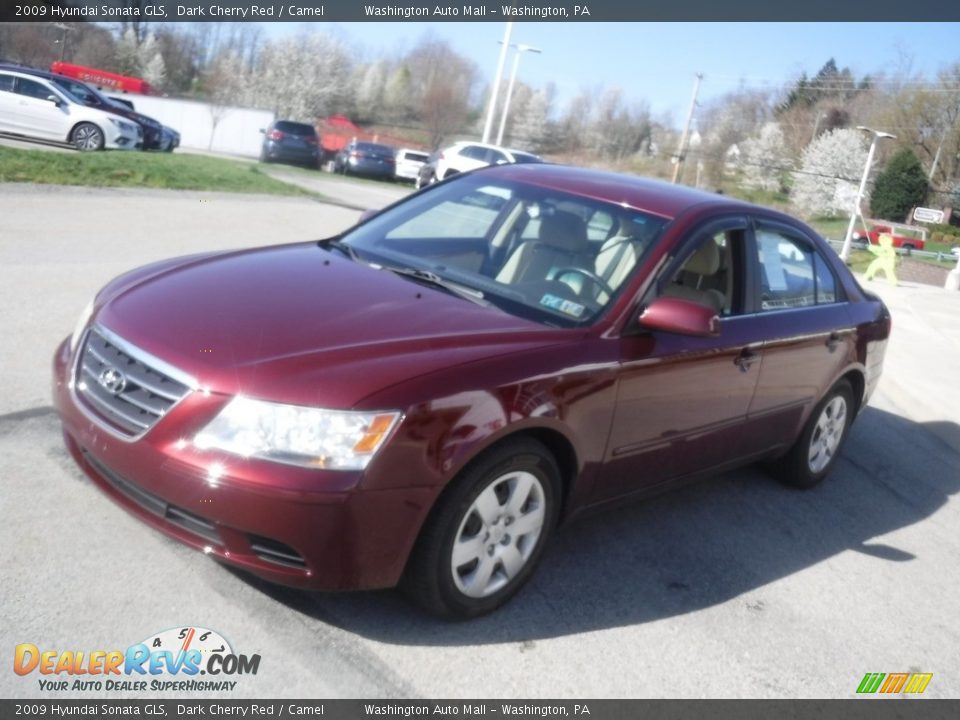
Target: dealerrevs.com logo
(178, 660)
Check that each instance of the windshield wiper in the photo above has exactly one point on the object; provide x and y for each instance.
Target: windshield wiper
(431, 278)
(337, 244)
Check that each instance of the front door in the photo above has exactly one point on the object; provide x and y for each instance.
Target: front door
(681, 400)
(37, 116)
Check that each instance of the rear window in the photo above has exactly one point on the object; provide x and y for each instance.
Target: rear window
(295, 128)
(520, 157)
(374, 148)
(418, 156)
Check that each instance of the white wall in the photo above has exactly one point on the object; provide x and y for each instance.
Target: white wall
(238, 131)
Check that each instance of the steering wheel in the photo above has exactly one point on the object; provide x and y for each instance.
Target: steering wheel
(592, 277)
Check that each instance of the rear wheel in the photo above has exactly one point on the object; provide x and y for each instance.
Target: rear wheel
(87, 137)
(812, 457)
(485, 537)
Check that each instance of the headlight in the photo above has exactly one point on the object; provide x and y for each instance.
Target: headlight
(310, 437)
(81, 326)
(123, 125)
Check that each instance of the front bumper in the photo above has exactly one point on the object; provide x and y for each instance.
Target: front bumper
(293, 526)
(117, 139)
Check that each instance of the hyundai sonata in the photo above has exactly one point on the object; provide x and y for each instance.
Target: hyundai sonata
(423, 399)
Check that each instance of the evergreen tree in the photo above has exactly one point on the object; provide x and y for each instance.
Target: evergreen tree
(901, 186)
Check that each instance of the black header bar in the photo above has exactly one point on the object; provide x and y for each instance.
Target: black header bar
(478, 11)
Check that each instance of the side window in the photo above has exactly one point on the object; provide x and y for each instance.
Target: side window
(710, 274)
(788, 273)
(33, 89)
(495, 156)
(473, 152)
(826, 281)
(6, 83)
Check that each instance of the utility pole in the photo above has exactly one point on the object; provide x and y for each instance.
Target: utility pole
(681, 152)
(936, 157)
(816, 125)
(63, 37)
(492, 104)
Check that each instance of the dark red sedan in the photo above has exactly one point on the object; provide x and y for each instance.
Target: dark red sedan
(421, 400)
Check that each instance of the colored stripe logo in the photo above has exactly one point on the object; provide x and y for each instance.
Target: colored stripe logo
(894, 683)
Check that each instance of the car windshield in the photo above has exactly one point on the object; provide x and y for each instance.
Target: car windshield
(548, 256)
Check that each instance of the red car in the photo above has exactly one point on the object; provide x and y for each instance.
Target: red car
(422, 400)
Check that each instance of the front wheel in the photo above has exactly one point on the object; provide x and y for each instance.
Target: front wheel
(487, 533)
(87, 137)
(813, 455)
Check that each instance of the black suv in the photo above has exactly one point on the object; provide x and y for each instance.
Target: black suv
(152, 130)
(292, 142)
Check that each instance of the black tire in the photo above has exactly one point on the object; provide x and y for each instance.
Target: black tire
(804, 468)
(87, 137)
(431, 578)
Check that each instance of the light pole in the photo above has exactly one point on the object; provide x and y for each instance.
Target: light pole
(845, 251)
(520, 49)
(495, 90)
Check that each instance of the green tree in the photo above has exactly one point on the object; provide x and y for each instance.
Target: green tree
(901, 186)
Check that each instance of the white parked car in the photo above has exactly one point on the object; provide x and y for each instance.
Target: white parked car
(408, 163)
(463, 156)
(37, 108)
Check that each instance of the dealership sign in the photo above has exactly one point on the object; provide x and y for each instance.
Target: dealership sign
(928, 215)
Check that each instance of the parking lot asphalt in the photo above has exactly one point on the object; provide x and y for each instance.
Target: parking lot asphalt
(362, 195)
(736, 587)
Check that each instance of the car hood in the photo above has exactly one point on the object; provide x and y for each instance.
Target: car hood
(304, 325)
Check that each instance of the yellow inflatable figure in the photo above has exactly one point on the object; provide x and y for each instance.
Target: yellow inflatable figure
(886, 259)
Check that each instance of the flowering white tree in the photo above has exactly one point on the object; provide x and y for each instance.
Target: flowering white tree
(764, 159)
(829, 173)
(303, 77)
(140, 57)
(371, 80)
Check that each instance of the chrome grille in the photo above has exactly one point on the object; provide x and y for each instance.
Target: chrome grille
(137, 394)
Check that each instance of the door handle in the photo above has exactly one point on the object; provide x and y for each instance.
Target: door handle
(833, 342)
(746, 359)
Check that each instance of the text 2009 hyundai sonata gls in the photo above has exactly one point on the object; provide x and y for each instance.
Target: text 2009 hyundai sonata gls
(421, 400)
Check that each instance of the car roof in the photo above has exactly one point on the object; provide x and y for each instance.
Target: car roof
(26, 72)
(641, 193)
(29, 71)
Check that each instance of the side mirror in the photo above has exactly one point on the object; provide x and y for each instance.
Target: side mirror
(681, 317)
(366, 215)
(54, 99)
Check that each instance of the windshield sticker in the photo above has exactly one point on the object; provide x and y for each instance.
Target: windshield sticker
(565, 306)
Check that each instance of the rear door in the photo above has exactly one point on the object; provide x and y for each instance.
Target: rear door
(800, 307)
